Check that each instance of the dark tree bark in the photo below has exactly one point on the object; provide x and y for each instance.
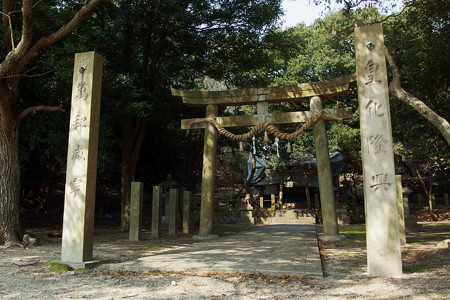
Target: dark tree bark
(14, 62)
(133, 135)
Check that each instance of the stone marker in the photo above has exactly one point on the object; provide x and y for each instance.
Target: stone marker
(173, 209)
(326, 190)
(136, 203)
(156, 211)
(383, 241)
(79, 203)
(401, 214)
(419, 201)
(186, 211)
(272, 202)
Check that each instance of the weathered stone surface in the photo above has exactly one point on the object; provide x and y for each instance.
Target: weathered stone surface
(173, 209)
(186, 211)
(326, 190)
(156, 211)
(383, 242)
(400, 205)
(208, 174)
(79, 203)
(136, 205)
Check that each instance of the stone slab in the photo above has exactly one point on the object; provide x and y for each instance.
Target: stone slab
(271, 250)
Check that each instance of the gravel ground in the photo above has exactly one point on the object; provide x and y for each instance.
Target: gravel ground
(25, 273)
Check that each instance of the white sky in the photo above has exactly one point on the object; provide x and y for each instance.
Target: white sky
(297, 11)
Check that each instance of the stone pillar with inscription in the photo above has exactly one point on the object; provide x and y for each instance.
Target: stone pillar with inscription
(79, 203)
(382, 226)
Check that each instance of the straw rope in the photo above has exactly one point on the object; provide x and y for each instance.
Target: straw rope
(268, 127)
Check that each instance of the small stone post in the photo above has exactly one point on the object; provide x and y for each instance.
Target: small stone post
(156, 211)
(272, 202)
(261, 202)
(401, 214)
(316, 201)
(419, 201)
(326, 190)
(173, 209)
(280, 195)
(383, 241)
(137, 195)
(208, 177)
(186, 211)
(308, 194)
(79, 203)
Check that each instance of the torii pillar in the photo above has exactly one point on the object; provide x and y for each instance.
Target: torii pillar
(208, 177)
(326, 189)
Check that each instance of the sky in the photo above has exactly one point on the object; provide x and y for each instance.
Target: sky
(297, 11)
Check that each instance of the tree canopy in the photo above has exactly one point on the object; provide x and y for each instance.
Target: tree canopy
(150, 46)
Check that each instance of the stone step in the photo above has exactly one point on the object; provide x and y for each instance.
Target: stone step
(292, 213)
(300, 220)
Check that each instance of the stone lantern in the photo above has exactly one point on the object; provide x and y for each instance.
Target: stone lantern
(166, 185)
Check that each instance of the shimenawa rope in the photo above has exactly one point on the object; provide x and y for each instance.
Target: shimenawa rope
(268, 127)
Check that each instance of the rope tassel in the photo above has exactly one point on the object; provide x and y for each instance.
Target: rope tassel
(241, 147)
(266, 137)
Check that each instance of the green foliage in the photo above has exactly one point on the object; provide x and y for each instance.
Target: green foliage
(58, 267)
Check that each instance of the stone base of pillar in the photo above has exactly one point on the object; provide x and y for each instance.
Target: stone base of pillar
(204, 236)
(246, 217)
(330, 238)
(79, 265)
(411, 224)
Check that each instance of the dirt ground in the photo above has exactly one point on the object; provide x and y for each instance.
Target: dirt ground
(25, 273)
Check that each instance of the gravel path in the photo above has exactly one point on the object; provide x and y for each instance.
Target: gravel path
(24, 273)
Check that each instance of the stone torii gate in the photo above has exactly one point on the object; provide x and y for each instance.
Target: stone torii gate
(261, 97)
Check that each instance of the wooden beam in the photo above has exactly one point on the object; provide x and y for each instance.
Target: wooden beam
(297, 92)
(278, 118)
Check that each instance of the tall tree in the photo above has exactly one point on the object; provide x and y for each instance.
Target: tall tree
(158, 44)
(18, 53)
(433, 13)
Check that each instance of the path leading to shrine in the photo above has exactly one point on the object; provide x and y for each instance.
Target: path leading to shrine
(268, 250)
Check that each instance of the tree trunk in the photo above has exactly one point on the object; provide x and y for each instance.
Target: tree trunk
(133, 135)
(9, 181)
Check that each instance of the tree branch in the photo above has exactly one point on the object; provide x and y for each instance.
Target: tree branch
(55, 37)
(27, 27)
(29, 110)
(397, 91)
